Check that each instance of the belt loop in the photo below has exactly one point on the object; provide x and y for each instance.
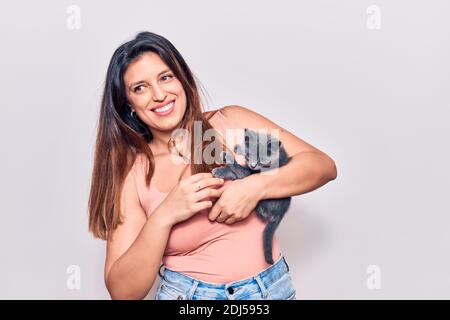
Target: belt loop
(192, 290)
(265, 292)
(159, 271)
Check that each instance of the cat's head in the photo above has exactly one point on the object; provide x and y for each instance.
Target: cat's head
(260, 150)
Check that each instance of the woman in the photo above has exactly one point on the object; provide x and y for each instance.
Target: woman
(151, 208)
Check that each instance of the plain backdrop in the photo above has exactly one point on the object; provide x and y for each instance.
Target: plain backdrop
(376, 99)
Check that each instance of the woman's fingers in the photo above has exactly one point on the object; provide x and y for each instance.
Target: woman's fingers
(206, 182)
(215, 212)
(206, 193)
(230, 220)
(197, 177)
(222, 217)
(202, 205)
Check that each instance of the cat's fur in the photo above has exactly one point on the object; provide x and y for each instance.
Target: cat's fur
(258, 160)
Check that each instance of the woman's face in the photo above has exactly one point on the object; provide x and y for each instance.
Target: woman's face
(150, 83)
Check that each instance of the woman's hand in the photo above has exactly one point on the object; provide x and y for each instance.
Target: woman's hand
(237, 200)
(191, 195)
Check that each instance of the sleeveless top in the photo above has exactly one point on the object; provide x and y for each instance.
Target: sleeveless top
(210, 251)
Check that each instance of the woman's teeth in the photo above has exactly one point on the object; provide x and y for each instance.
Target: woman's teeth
(165, 108)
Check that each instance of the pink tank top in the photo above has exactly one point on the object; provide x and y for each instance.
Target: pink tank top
(210, 251)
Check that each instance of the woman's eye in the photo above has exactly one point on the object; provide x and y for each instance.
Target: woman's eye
(137, 89)
(167, 75)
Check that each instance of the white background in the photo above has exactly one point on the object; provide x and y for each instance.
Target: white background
(376, 100)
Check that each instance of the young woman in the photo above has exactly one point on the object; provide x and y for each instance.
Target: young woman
(151, 208)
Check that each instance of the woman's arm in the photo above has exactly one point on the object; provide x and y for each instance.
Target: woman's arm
(305, 172)
(308, 169)
(135, 251)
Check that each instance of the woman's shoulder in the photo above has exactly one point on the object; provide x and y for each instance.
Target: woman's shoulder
(224, 116)
(211, 114)
(234, 113)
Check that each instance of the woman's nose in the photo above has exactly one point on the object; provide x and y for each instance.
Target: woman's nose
(158, 94)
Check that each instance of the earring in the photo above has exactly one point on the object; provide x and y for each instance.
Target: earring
(133, 113)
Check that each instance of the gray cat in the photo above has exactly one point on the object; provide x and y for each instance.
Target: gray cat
(262, 152)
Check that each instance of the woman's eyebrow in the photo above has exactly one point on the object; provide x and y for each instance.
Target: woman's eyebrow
(142, 81)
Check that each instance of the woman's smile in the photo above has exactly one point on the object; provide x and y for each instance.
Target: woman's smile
(165, 110)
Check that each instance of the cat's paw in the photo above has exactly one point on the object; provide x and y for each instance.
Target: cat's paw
(218, 173)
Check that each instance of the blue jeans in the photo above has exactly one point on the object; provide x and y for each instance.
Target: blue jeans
(273, 283)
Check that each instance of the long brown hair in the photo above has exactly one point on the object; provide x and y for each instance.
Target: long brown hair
(121, 137)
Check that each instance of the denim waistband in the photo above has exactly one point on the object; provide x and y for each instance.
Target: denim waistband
(267, 277)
